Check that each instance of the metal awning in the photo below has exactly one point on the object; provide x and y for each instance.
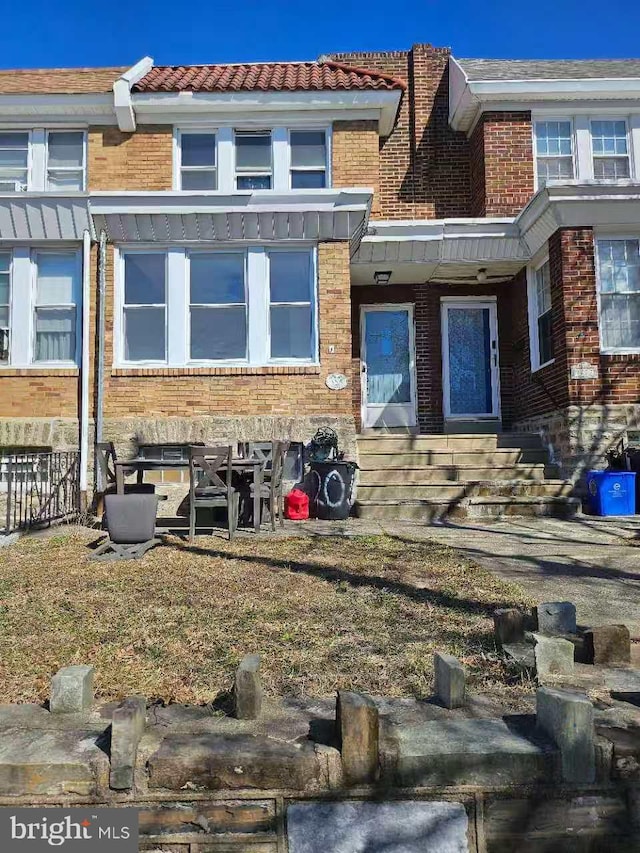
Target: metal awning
(264, 216)
(43, 216)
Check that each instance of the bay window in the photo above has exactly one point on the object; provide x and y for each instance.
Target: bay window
(218, 306)
(5, 305)
(249, 306)
(618, 274)
(610, 147)
(253, 160)
(540, 315)
(144, 307)
(197, 161)
(308, 159)
(554, 151)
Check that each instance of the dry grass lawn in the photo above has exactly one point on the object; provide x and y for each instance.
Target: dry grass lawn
(365, 613)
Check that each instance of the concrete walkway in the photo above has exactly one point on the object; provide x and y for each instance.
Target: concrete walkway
(593, 562)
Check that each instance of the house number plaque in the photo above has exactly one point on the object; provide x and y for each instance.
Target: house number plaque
(336, 381)
(584, 370)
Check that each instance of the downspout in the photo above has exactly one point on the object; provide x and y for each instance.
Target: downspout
(85, 368)
(102, 256)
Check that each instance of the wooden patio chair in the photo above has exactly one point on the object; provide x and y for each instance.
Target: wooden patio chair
(105, 458)
(272, 491)
(208, 489)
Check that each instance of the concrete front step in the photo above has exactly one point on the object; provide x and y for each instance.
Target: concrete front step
(480, 458)
(399, 476)
(440, 491)
(413, 443)
(470, 507)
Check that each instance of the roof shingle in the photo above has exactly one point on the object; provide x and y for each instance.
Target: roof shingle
(549, 69)
(269, 76)
(63, 81)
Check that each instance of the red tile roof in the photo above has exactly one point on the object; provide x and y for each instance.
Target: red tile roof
(269, 76)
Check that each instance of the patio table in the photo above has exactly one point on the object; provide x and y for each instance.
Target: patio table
(139, 464)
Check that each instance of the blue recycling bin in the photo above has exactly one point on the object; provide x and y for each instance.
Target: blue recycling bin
(611, 492)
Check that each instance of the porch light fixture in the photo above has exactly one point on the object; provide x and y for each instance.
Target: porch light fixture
(382, 276)
(482, 275)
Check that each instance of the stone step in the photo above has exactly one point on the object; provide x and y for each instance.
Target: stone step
(474, 507)
(457, 491)
(413, 443)
(455, 474)
(479, 458)
(473, 752)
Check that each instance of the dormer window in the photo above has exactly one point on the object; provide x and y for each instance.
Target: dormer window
(254, 162)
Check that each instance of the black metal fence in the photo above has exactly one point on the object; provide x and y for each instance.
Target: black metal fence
(37, 489)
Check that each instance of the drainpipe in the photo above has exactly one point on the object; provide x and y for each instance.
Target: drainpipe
(85, 368)
(102, 257)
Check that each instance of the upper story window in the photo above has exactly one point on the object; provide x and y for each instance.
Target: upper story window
(41, 160)
(198, 161)
(618, 273)
(254, 160)
(540, 315)
(39, 307)
(554, 151)
(252, 306)
(610, 147)
(308, 159)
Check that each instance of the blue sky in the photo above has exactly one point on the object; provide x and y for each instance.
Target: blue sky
(71, 32)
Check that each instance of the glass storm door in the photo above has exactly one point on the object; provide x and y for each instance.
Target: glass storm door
(388, 364)
(470, 359)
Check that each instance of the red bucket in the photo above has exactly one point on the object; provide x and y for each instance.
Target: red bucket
(296, 505)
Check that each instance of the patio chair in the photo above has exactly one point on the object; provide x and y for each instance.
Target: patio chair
(272, 491)
(208, 489)
(131, 524)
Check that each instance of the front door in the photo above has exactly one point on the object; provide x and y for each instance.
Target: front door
(388, 366)
(470, 359)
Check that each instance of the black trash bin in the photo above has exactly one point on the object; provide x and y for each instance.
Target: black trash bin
(332, 489)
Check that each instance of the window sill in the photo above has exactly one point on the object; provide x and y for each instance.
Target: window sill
(245, 370)
(542, 366)
(36, 370)
(613, 352)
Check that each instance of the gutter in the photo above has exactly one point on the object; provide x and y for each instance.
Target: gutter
(85, 366)
(122, 101)
(102, 258)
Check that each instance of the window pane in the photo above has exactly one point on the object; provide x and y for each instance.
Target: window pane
(144, 334)
(56, 273)
(55, 334)
(70, 180)
(4, 316)
(621, 321)
(619, 265)
(217, 277)
(308, 148)
(218, 333)
(611, 168)
(291, 332)
(543, 289)
(545, 339)
(66, 149)
(13, 157)
(144, 279)
(555, 169)
(253, 151)
(254, 182)
(290, 276)
(10, 177)
(198, 179)
(307, 180)
(4, 288)
(198, 149)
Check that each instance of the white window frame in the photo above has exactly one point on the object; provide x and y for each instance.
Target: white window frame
(313, 295)
(177, 155)
(48, 132)
(4, 364)
(327, 156)
(249, 131)
(574, 147)
(226, 251)
(29, 133)
(533, 314)
(77, 304)
(120, 305)
(598, 237)
(177, 321)
(594, 156)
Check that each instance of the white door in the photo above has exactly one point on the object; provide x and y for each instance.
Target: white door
(470, 370)
(388, 366)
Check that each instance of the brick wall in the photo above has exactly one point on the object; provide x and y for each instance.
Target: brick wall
(278, 391)
(501, 164)
(38, 393)
(355, 157)
(130, 161)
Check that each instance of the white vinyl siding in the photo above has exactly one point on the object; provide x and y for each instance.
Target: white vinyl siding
(554, 152)
(182, 307)
(618, 274)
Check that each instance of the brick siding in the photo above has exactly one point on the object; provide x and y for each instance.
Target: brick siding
(355, 157)
(130, 161)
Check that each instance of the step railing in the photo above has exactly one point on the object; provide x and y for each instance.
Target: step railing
(37, 489)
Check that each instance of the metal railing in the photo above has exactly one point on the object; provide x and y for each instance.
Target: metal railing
(37, 489)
